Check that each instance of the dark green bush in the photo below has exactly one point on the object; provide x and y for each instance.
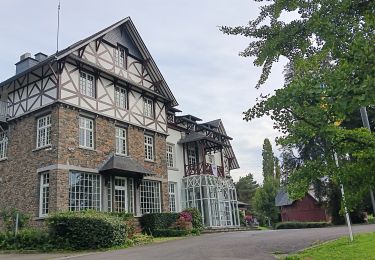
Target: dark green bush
(151, 222)
(128, 219)
(86, 229)
(242, 218)
(197, 217)
(25, 239)
(8, 217)
(298, 225)
(170, 233)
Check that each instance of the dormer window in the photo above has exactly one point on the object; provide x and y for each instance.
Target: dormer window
(119, 56)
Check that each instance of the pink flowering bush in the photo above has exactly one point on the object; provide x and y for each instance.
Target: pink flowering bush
(186, 216)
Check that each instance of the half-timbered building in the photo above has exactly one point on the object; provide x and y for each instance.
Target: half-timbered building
(87, 128)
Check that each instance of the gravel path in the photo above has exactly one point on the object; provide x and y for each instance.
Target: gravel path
(220, 246)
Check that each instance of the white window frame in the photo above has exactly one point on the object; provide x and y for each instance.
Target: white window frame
(80, 197)
(119, 57)
(171, 156)
(148, 107)
(150, 197)
(149, 147)
(122, 198)
(86, 132)
(87, 84)
(3, 144)
(192, 155)
(44, 194)
(121, 141)
(121, 97)
(43, 137)
(172, 191)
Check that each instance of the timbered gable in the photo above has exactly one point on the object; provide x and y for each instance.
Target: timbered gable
(31, 91)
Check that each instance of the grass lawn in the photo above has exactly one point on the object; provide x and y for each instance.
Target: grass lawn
(363, 247)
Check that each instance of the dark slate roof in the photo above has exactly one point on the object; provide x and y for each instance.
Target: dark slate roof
(197, 136)
(240, 203)
(282, 199)
(124, 165)
(214, 123)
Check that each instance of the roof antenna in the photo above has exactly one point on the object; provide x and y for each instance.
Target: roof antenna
(58, 27)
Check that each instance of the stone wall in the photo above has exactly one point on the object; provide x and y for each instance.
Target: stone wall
(19, 186)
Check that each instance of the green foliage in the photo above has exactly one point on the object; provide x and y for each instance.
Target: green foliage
(139, 239)
(330, 46)
(268, 160)
(26, 239)
(86, 230)
(151, 222)
(128, 219)
(246, 187)
(9, 219)
(197, 217)
(299, 225)
(264, 202)
(242, 218)
(170, 233)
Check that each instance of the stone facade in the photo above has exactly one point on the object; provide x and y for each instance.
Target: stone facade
(19, 173)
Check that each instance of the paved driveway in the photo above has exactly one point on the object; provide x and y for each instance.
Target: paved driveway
(220, 246)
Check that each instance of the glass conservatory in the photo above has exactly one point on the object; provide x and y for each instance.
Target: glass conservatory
(215, 197)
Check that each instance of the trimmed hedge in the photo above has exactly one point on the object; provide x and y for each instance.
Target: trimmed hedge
(153, 221)
(170, 233)
(26, 239)
(298, 225)
(86, 230)
(197, 217)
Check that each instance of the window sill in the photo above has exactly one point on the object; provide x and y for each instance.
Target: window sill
(122, 155)
(3, 159)
(41, 218)
(173, 169)
(47, 147)
(149, 161)
(87, 148)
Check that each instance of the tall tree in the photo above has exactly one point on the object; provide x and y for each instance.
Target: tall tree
(330, 46)
(268, 160)
(246, 187)
(264, 201)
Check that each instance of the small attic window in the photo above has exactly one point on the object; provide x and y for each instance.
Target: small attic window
(119, 56)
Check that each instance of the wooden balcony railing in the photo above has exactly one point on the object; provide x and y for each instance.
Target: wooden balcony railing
(203, 168)
(4, 110)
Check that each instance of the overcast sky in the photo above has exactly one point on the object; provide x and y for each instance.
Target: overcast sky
(199, 63)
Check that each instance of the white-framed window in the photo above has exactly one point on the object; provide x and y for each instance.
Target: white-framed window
(148, 107)
(121, 97)
(121, 147)
(120, 198)
(192, 155)
(86, 84)
(3, 144)
(119, 56)
(86, 132)
(172, 187)
(84, 191)
(44, 194)
(43, 131)
(170, 155)
(149, 148)
(150, 197)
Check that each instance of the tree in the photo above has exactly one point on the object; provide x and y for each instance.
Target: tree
(264, 202)
(268, 160)
(246, 187)
(330, 46)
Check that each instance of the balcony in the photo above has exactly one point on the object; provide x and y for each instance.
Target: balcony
(203, 168)
(4, 111)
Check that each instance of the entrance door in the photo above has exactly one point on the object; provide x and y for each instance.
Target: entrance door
(120, 198)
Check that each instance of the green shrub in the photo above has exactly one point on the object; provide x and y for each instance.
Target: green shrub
(197, 217)
(9, 219)
(151, 222)
(298, 225)
(25, 239)
(195, 231)
(129, 221)
(242, 218)
(87, 229)
(170, 233)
